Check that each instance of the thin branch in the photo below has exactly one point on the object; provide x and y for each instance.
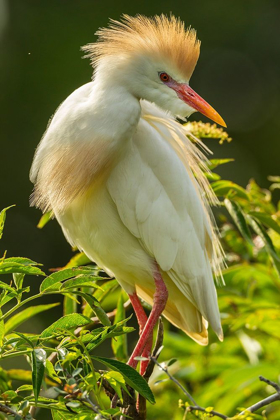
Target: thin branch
(271, 383)
(165, 370)
(93, 407)
(7, 410)
(262, 403)
(272, 398)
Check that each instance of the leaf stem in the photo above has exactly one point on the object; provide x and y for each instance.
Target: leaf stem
(19, 305)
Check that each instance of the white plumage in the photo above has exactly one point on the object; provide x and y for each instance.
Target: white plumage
(117, 172)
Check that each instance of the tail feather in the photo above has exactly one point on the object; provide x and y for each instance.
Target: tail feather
(181, 313)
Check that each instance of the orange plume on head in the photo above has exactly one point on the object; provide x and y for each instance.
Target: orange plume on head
(160, 36)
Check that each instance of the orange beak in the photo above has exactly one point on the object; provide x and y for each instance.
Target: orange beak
(190, 97)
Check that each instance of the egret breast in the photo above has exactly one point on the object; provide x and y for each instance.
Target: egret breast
(92, 223)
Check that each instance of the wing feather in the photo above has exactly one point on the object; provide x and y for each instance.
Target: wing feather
(160, 202)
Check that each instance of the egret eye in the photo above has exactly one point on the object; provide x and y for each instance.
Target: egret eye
(164, 77)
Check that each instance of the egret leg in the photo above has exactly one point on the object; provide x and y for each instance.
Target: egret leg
(160, 299)
(142, 319)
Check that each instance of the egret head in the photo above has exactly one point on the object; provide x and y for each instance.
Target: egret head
(154, 59)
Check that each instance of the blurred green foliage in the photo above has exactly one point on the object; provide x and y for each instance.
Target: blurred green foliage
(63, 373)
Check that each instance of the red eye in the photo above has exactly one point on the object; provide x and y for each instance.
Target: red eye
(164, 77)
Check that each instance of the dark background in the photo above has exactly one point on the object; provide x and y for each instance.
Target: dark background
(238, 73)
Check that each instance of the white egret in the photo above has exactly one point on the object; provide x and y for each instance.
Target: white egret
(125, 182)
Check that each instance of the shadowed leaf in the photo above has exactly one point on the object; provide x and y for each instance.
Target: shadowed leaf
(38, 368)
(131, 376)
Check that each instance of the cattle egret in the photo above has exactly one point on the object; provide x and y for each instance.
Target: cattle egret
(125, 182)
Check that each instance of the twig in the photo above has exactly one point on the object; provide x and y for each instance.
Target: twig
(268, 400)
(272, 398)
(165, 370)
(271, 383)
(94, 407)
(212, 413)
(7, 410)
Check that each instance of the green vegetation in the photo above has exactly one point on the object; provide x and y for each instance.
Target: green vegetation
(68, 375)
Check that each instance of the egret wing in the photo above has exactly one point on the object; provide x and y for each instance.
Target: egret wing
(159, 201)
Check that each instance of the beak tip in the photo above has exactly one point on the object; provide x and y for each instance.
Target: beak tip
(220, 121)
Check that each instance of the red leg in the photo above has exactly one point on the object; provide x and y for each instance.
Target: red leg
(160, 299)
(142, 319)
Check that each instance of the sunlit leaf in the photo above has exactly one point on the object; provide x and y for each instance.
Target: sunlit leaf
(117, 382)
(2, 219)
(45, 219)
(67, 322)
(65, 274)
(223, 188)
(9, 267)
(78, 260)
(50, 371)
(81, 281)
(217, 162)
(20, 375)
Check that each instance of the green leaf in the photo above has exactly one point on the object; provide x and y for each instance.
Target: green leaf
(20, 375)
(266, 219)
(18, 279)
(131, 376)
(67, 322)
(237, 214)
(117, 382)
(51, 372)
(258, 228)
(25, 315)
(70, 305)
(223, 188)
(106, 288)
(101, 334)
(217, 162)
(81, 281)
(119, 344)
(38, 368)
(25, 388)
(2, 329)
(7, 287)
(22, 261)
(2, 219)
(65, 274)
(25, 338)
(8, 266)
(45, 219)
(77, 260)
(95, 306)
